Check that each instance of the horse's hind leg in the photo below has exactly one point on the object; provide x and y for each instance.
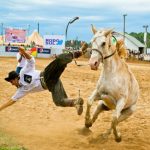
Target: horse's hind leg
(117, 113)
(126, 113)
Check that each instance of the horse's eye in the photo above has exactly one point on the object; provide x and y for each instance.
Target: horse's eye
(103, 44)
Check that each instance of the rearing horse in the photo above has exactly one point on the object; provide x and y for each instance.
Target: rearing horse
(117, 89)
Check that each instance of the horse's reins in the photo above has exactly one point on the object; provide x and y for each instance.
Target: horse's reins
(101, 54)
(79, 64)
(83, 48)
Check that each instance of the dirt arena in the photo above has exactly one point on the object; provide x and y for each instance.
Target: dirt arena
(37, 124)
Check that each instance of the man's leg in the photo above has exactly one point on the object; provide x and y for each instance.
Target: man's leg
(51, 77)
(54, 70)
(60, 98)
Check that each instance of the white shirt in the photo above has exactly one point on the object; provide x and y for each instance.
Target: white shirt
(22, 62)
(29, 80)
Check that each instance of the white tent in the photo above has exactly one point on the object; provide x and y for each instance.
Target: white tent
(35, 38)
(1, 39)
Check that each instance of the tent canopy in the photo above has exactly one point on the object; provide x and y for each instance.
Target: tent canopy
(1, 39)
(35, 38)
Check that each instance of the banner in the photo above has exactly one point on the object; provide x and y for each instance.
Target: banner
(44, 50)
(15, 35)
(54, 41)
(11, 49)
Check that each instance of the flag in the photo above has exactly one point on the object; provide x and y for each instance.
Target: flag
(33, 51)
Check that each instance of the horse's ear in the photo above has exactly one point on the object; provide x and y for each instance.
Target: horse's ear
(108, 32)
(94, 30)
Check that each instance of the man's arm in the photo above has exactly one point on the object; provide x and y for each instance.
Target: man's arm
(20, 58)
(5, 105)
(24, 53)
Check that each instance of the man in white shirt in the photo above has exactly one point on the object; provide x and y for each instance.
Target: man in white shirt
(21, 62)
(30, 80)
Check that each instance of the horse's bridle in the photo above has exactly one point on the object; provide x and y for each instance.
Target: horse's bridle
(101, 54)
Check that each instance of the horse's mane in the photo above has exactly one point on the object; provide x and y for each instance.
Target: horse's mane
(121, 49)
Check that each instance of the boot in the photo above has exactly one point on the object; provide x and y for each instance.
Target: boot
(78, 104)
(81, 52)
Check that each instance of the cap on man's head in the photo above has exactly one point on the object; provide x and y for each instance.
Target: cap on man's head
(12, 75)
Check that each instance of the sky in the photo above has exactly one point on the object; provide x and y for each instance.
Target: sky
(53, 16)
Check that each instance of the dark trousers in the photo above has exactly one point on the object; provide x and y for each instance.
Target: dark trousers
(52, 74)
(18, 69)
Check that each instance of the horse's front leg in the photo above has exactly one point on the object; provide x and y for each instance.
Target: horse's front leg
(88, 121)
(117, 113)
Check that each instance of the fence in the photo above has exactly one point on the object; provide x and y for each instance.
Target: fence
(11, 51)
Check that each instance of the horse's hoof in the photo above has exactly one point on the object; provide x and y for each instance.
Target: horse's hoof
(88, 125)
(118, 139)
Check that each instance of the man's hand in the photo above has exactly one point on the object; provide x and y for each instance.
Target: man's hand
(24, 53)
(5, 105)
(21, 50)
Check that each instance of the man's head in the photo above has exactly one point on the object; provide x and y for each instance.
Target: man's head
(13, 78)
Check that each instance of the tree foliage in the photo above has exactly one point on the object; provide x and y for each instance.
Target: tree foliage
(140, 37)
(75, 44)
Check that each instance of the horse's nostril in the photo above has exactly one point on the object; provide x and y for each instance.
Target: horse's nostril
(95, 63)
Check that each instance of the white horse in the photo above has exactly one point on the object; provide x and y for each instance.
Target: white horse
(117, 89)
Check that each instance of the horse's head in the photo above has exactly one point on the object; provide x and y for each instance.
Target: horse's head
(102, 47)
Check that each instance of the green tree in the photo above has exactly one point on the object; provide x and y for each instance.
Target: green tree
(140, 37)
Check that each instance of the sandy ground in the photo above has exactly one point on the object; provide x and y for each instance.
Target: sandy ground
(37, 124)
